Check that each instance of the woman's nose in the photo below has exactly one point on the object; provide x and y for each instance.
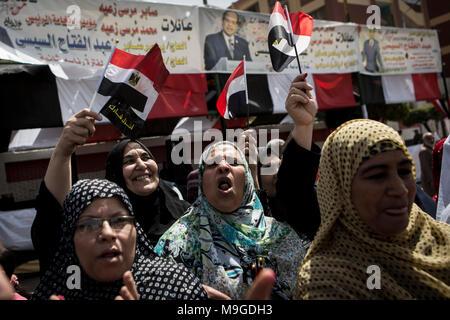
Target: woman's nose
(107, 232)
(140, 163)
(397, 186)
(223, 166)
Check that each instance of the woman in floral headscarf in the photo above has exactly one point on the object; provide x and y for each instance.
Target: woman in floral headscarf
(373, 241)
(225, 237)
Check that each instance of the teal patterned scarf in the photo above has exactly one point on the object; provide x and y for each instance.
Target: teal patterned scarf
(220, 248)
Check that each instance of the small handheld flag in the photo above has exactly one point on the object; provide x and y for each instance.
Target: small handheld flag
(286, 41)
(441, 107)
(234, 93)
(131, 84)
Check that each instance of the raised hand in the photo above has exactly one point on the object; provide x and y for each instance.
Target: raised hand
(261, 287)
(215, 294)
(300, 103)
(248, 145)
(302, 108)
(128, 291)
(77, 130)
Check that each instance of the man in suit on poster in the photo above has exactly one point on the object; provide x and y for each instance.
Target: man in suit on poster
(226, 43)
(371, 54)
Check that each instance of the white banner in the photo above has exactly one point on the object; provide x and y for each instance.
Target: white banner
(399, 51)
(75, 39)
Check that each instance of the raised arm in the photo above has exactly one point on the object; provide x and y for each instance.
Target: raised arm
(302, 108)
(299, 164)
(58, 177)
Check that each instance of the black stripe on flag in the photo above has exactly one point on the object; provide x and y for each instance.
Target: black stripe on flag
(123, 92)
(237, 105)
(259, 98)
(279, 59)
(123, 117)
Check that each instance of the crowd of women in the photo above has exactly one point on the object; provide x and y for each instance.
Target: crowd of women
(133, 238)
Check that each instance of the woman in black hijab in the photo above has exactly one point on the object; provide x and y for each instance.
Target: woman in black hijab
(104, 252)
(155, 203)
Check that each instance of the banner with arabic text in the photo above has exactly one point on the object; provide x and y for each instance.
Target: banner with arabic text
(399, 51)
(75, 38)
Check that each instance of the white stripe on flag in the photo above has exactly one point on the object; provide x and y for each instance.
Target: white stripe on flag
(238, 84)
(144, 86)
(277, 19)
(398, 88)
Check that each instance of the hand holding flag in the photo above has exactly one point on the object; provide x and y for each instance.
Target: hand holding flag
(286, 41)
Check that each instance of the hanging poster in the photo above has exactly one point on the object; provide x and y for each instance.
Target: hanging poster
(399, 51)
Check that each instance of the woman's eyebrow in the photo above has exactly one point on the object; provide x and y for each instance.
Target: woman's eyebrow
(373, 167)
(115, 214)
(383, 166)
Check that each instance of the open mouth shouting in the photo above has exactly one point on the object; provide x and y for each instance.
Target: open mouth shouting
(224, 185)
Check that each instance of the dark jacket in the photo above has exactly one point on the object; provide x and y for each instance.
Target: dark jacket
(296, 200)
(216, 48)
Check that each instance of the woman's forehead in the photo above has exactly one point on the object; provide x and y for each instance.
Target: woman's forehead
(392, 157)
(224, 150)
(134, 147)
(102, 206)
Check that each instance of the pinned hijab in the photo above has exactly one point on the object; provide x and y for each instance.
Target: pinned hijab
(221, 248)
(155, 212)
(155, 277)
(414, 264)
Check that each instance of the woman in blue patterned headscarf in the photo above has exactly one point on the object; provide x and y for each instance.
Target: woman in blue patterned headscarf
(225, 236)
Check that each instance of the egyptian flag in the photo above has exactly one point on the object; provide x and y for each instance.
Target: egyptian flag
(233, 98)
(131, 85)
(281, 47)
(440, 106)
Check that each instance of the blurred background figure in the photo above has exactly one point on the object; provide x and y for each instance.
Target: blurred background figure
(426, 159)
(192, 186)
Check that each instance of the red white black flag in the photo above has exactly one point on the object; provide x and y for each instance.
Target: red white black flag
(234, 95)
(440, 106)
(131, 84)
(281, 47)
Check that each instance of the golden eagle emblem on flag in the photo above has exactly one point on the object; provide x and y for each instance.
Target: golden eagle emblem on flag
(134, 78)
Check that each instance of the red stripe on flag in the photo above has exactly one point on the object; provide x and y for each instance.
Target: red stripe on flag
(302, 24)
(279, 9)
(426, 86)
(334, 90)
(151, 64)
(437, 104)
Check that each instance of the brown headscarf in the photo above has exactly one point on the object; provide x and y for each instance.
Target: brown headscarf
(414, 264)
